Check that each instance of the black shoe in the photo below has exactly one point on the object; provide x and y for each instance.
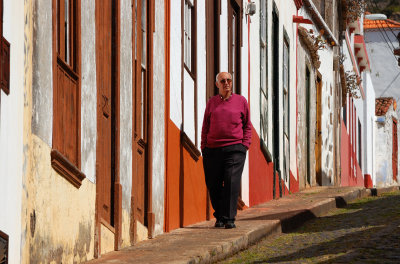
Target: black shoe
(229, 225)
(219, 223)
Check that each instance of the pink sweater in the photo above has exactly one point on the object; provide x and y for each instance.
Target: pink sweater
(226, 122)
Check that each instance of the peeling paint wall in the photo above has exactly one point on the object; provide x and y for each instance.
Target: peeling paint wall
(42, 118)
(125, 169)
(303, 62)
(384, 148)
(11, 130)
(57, 218)
(158, 176)
(88, 91)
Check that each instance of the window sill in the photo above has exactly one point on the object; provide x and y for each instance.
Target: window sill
(265, 151)
(189, 146)
(191, 73)
(66, 169)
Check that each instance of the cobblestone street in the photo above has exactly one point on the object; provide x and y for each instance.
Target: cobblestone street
(366, 231)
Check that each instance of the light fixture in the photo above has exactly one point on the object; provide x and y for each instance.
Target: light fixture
(376, 17)
(250, 8)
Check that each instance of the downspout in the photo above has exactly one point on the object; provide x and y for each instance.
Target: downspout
(321, 22)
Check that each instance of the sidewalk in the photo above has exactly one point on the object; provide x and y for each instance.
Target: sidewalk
(202, 243)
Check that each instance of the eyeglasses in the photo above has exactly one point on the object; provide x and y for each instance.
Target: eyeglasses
(223, 81)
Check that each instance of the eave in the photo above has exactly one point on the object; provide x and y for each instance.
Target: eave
(298, 3)
(361, 53)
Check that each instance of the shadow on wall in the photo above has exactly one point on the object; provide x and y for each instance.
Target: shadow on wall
(326, 180)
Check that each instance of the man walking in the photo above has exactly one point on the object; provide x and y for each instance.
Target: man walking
(225, 139)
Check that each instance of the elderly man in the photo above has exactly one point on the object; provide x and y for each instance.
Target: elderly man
(225, 139)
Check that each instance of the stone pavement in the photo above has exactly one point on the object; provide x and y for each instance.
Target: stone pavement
(202, 243)
(365, 231)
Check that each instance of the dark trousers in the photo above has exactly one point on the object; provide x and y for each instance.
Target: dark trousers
(223, 169)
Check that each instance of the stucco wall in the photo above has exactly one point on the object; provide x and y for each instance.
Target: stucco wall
(58, 219)
(42, 118)
(384, 67)
(125, 169)
(159, 118)
(88, 91)
(175, 64)
(303, 59)
(368, 126)
(384, 148)
(11, 130)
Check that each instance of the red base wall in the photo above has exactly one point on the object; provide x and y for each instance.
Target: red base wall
(347, 175)
(261, 182)
(260, 173)
(186, 191)
(368, 181)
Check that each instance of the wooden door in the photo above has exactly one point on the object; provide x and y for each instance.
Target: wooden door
(105, 70)
(140, 111)
(318, 133)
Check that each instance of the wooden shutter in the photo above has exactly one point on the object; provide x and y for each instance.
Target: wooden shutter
(5, 66)
(4, 57)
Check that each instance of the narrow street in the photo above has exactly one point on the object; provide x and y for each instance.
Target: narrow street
(366, 231)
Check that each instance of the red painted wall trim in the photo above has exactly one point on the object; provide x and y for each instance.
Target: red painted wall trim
(368, 181)
(355, 68)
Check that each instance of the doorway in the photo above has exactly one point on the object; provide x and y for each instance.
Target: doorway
(308, 126)
(107, 186)
(275, 100)
(318, 131)
(142, 218)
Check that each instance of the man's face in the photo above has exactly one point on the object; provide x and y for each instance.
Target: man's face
(224, 83)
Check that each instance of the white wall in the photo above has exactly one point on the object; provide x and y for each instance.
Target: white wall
(368, 125)
(11, 129)
(383, 148)
(158, 177)
(175, 64)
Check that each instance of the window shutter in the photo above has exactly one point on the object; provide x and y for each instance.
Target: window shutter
(5, 66)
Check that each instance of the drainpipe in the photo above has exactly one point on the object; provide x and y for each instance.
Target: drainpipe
(320, 21)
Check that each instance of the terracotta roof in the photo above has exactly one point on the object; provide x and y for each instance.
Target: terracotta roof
(383, 104)
(376, 24)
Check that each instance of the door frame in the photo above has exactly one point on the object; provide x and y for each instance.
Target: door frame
(275, 100)
(318, 130)
(235, 5)
(117, 214)
(308, 126)
(149, 215)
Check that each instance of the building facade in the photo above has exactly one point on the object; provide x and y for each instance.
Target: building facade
(101, 116)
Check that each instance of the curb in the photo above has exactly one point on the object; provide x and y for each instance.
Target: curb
(286, 224)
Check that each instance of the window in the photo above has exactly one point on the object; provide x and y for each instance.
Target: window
(65, 156)
(286, 107)
(4, 57)
(286, 87)
(345, 115)
(264, 120)
(3, 248)
(189, 32)
(234, 42)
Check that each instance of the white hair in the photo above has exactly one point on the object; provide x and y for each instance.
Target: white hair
(216, 77)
